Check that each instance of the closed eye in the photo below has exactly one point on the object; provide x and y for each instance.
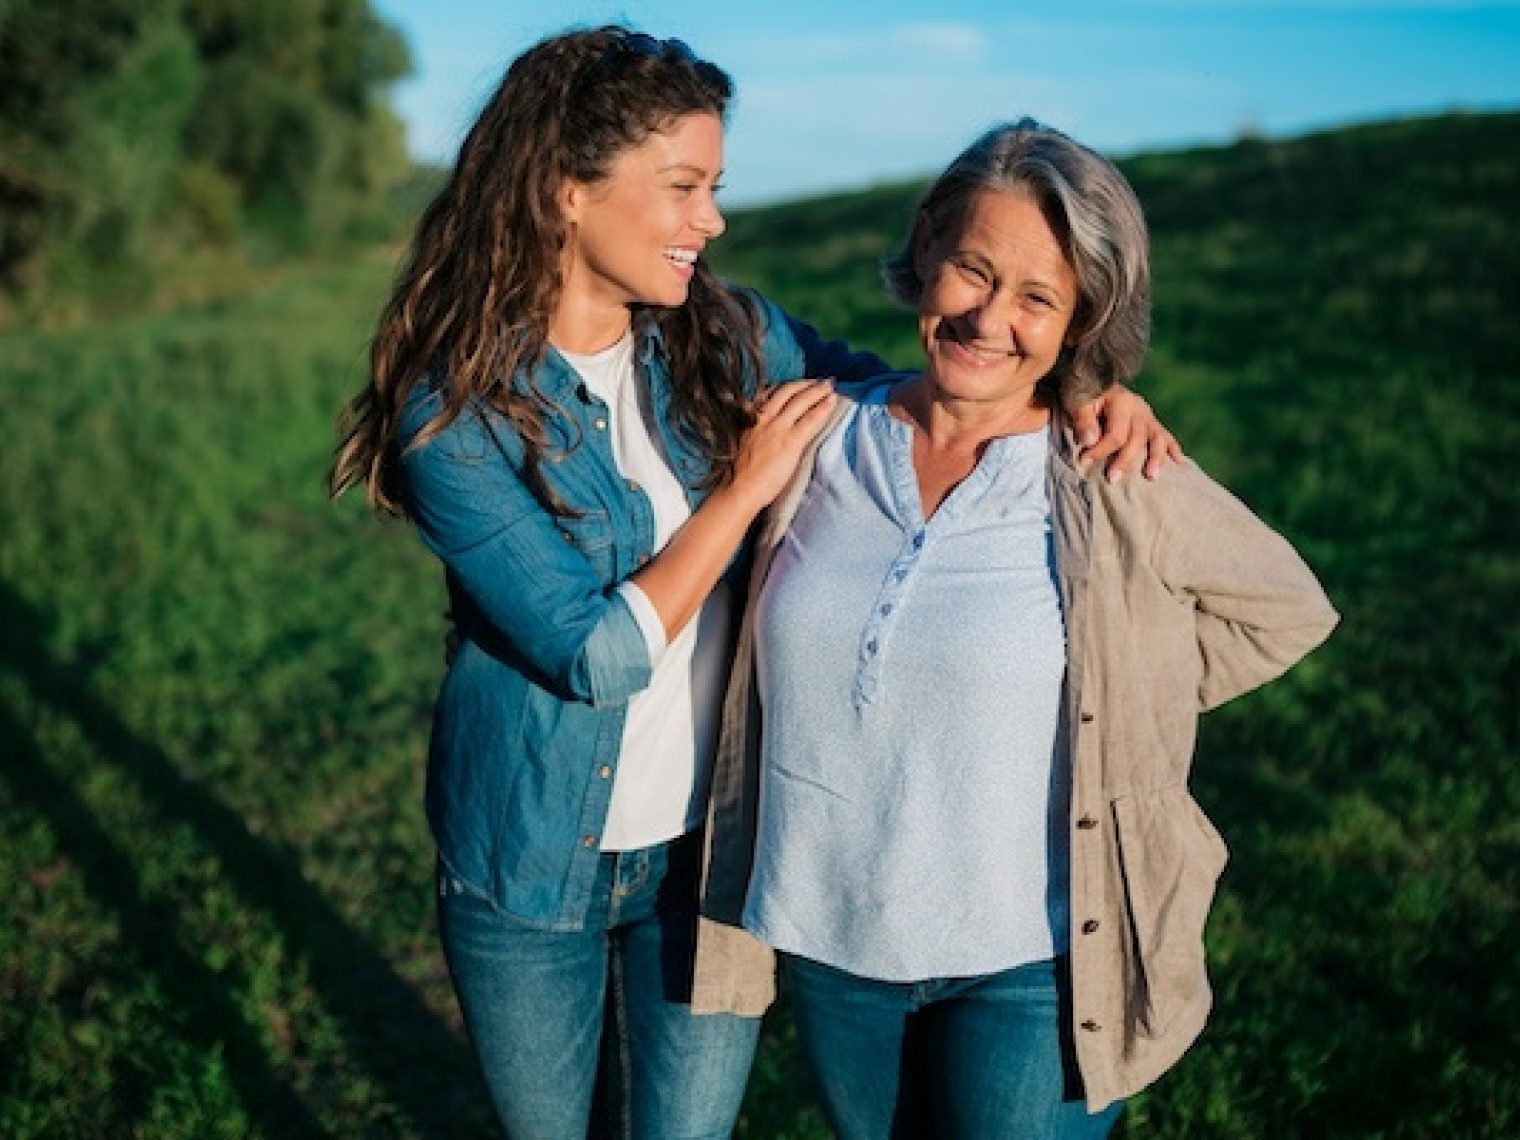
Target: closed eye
(972, 273)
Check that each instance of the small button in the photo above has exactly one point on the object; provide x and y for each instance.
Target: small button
(871, 646)
(918, 541)
(605, 771)
(633, 485)
(886, 609)
(566, 535)
(1091, 1026)
(643, 559)
(600, 424)
(588, 841)
(1087, 823)
(1087, 718)
(1090, 926)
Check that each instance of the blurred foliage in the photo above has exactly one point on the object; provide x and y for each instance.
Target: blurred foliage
(214, 685)
(133, 130)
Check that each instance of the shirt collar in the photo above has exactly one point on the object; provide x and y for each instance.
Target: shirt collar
(555, 378)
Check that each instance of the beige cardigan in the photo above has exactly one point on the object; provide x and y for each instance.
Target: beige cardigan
(1176, 599)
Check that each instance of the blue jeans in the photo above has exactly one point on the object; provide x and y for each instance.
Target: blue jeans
(591, 1031)
(981, 1057)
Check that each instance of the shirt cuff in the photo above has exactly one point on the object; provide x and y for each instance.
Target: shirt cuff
(650, 624)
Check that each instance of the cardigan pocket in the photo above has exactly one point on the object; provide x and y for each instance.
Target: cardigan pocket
(1171, 857)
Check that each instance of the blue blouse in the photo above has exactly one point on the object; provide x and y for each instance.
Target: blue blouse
(912, 817)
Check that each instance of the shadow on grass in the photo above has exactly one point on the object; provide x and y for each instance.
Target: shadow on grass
(415, 1061)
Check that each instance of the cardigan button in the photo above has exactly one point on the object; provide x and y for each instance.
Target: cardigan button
(1091, 1026)
(1090, 926)
(588, 841)
(605, 771)
(600, 424)
(1087, 823)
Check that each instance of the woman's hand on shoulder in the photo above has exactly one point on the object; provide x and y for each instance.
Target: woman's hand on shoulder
(1120, 427)
(788, 418)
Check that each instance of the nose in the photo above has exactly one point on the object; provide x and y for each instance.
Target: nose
(994, 320)
(709, 220)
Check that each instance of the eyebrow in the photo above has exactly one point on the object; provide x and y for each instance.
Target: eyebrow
(1050, 286)
(692, 167)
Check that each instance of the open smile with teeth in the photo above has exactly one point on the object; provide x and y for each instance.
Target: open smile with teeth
(682, 257)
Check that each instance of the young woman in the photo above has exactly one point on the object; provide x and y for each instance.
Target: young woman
(583, 422)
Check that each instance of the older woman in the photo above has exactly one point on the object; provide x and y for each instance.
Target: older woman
(980, 672)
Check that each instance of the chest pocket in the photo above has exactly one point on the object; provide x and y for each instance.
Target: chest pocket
(591, 534)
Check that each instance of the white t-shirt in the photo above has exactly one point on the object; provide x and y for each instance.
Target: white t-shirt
(660, 787)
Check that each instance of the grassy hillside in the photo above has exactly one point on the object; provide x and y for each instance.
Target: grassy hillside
(214, 686)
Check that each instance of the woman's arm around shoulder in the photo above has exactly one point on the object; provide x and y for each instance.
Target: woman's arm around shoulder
(793, 349)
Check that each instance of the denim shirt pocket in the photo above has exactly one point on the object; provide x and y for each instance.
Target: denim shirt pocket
(591, 533)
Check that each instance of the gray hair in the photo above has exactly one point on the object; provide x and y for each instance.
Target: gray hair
(1098, 221)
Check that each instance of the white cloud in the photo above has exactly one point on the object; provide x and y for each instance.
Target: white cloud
(951, 41)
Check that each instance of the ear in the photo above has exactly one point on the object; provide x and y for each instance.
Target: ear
(570, 198)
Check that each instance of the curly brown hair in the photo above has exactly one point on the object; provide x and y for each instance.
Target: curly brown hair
(472, 305)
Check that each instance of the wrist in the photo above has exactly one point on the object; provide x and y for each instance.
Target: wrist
(735, 497)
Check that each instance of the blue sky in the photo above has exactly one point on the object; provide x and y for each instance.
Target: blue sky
(844, 94)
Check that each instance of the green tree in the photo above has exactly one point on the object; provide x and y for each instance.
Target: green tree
(132, 128)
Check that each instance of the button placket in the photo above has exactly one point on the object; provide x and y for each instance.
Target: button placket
(882, 620)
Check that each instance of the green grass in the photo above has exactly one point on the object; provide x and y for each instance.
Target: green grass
(214, 686)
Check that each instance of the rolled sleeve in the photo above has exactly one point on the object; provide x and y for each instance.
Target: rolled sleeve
(650, 625)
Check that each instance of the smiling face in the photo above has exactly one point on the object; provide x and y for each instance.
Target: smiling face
(634, 236)
(998, 298)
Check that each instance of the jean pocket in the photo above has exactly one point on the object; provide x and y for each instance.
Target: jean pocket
(1171, 857)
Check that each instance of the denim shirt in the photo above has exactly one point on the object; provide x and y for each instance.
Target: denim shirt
(529, 720)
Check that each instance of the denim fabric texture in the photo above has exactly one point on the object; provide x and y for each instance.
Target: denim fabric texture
(529, 720)
(980, 1058)
(590, 1033)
